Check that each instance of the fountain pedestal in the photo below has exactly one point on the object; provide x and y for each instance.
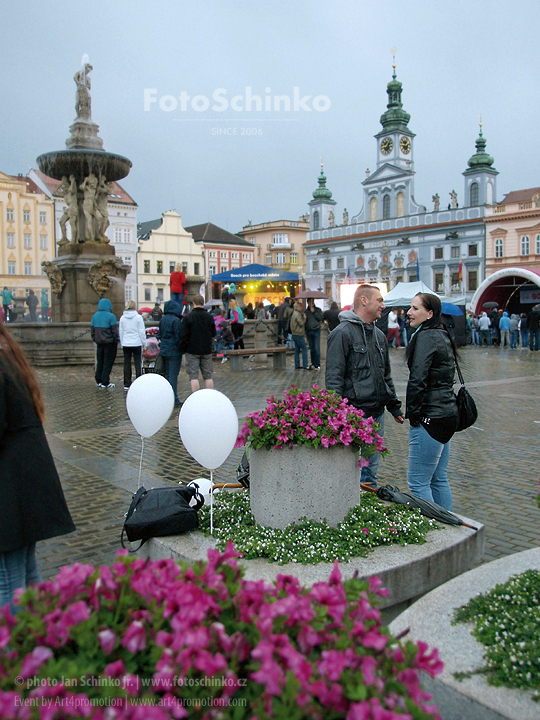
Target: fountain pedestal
(86, 272)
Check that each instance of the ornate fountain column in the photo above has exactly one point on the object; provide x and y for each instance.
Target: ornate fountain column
(86, 267)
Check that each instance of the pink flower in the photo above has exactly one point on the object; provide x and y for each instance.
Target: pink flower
(34, 660)
(76, 613)
(107, 640)
(5, 636)
(115, 669)
(431, 663)
(135, 637)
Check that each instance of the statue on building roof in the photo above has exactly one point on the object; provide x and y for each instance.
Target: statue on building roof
(345, 217)
(331, 219)
(436, 202)
(453, 199)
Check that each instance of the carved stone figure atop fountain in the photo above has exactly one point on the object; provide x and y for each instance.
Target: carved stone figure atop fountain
(86, 173)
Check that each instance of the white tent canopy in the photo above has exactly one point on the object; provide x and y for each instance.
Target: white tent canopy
(403, 293)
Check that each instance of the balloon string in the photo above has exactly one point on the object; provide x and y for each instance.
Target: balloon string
(211, 502)
(140, 462)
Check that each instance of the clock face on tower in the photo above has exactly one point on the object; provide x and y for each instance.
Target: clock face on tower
(405, 145)
(386, 146)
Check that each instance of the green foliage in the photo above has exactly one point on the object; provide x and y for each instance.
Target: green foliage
(308, 542)
(506, 621)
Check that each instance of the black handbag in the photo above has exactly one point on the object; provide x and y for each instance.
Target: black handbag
(161, 511)
(467, 412)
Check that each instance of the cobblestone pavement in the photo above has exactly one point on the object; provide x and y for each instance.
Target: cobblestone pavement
(493, 466)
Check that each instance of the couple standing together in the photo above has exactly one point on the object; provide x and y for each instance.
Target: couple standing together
(358, 368)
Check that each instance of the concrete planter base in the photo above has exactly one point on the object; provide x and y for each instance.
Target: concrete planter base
(296, 482)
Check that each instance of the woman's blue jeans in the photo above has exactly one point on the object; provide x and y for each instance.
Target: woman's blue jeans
(300, 344)
(179, 297)
(428, 461)
(314, 340)
(172, 368)
(18, 569)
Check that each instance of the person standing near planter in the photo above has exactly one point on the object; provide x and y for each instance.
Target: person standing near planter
(132, 340)
(431, 404)
(33, 506)
(178, 285)
(32, 302)
(7, 300)
(314, 318)
(358, 366)
(297, 325)
(237, 323)
(104, 332)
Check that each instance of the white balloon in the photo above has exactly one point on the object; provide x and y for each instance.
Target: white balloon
(202, 410)
(204, 485)
(149, 403)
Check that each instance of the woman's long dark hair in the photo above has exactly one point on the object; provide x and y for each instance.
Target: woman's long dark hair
(19, 369)
(433, 303)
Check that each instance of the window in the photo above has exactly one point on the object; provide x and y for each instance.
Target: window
(172, 265)
(147, 293)
(212, 254)
(280, 258)
(386, 207)
(27, 240)
(294, 259)
(454, 251)
(196, 268)
(146, 268)
(373, 208)
(473, 250)
(280, 238)
(315, 266)
(212, 270)
(160, 293)
(316, 220)
(268, 258)
(223, 255)
(234, 256)
(11, 239)
(525, 245)
(184, 267)
(9, 215)
(454, 279)
(27, 268)
(474, 194)
(438, 281)
(26, 216)
(327, 264)
(438, 253)
(245, 256)
(128, 293)
(472, 280)
(252, 240)
(11, 267)
(499, 248)
(42, 216)
(340, 263)
(122, 235)
(400, 204)
(537, 249)
(159, 267)
(42, 241)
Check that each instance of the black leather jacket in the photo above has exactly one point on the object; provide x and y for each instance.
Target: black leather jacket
(358, 366)
(430, 390)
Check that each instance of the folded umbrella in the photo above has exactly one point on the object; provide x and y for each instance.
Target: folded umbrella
(428, 508)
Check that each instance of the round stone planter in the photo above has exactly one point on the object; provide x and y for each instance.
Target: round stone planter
(295, 482)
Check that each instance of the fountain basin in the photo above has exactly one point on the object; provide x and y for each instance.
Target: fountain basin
(80, 162)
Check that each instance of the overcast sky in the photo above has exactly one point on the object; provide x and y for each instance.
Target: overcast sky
(211, 162)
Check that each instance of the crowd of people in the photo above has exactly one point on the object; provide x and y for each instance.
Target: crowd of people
(499, 329)
(13, 308)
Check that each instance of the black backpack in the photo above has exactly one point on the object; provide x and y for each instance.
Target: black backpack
(161, 511)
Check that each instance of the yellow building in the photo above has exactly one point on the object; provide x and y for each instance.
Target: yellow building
(162, 244)
(26, 237)
(279, 243)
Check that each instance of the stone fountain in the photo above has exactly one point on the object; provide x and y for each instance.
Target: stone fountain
(86, 268)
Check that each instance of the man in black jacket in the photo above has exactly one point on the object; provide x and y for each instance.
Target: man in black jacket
(533, 325)
(196, 337)
(358, 366)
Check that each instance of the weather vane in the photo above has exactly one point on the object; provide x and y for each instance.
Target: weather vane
(394, 60)
(322, 165)
(480, 116)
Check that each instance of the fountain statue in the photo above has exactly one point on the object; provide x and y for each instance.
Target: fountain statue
(86, 263)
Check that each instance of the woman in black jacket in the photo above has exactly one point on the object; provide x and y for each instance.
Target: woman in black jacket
(32, 505)
(431, 404)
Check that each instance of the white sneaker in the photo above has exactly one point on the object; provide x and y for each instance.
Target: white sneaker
(252, 358)
(110, 385)
(224, 360)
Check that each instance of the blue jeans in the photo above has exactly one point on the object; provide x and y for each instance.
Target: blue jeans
(428, 461)
(18, 568)
(179, 298)
(534, 339)
(299, 344)
(524, 338)
(514, 339)
(172, 368)
(314, 340)
(370, 473)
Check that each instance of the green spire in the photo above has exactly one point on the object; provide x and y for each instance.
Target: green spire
(322, 191)
(395, 118)
(480, 158)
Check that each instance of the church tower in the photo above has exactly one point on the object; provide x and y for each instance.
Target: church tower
(480, 177)
(322, 206)
(389, 191)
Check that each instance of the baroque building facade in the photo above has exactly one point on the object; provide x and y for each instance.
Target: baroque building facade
(393, 238)
(279, 243)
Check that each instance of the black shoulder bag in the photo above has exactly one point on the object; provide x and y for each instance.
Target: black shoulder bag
(161, 511)
(467, 412)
